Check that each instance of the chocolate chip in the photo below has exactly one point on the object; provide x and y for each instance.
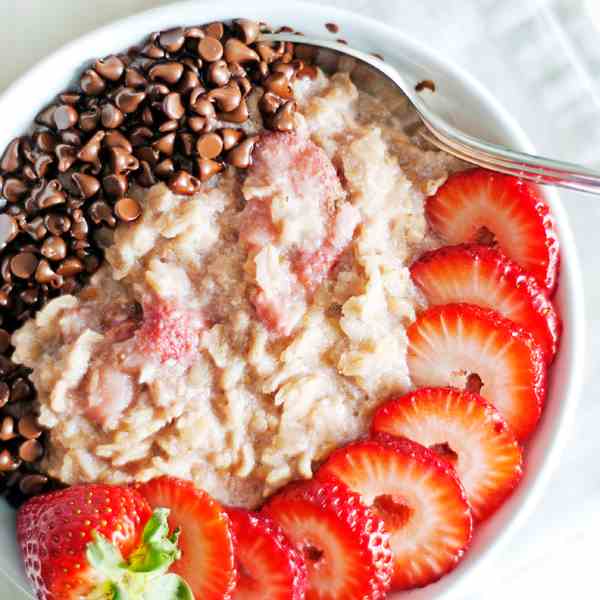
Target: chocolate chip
(172, 40)
(168, 126)
(284, 118)
(214, 30)
(11, 159)
(165, 144)
(31, 450)
(244, 85)
(269, 103)
(128, 209)
(44, 274)
(101, 212)
(240, 156)
(134, 79)
(202, 106)
(7, 429)
(140, 135)
(189, 80)
(111, 116)
(150, 155)
(248, 30)
(184, 184)
(4, 389)
(46, 116)
(237, 51)
(110, 68)
(115, 184)
(45, 141)
(207, 168)
(231, 137)
(117, 139)
(50, 194)
(88, 120)
(156, 91)
(33, 484)
(71, 136)
(279, 84)
(332, 27)
(28, 427)
(209, 145)
(4, 346)
(153, 51)
(65, 117)
(228, 97)
(57, 224)
(122, 161)
(197, 124)
(86, 184)
(210, 49)
(164, 169)
(172, 106)
(70, 266)
(169, 72)
(186, 140)
(23, 265)
(218, 73)
(7, 462)
(91, 83)
(145, 176)
(71, 98)
(193, 33)
(128, 100)
(20, 390)
(89, 153)
(14, 189)
(239, 115)
(54, 248)
(66, 155)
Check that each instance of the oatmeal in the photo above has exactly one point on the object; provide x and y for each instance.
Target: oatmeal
(236, 336)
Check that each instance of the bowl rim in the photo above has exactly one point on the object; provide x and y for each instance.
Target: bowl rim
(570, 267)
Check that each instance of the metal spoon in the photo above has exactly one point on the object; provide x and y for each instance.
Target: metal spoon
(384, 81)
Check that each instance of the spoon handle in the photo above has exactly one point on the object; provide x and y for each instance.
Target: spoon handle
(497, 158)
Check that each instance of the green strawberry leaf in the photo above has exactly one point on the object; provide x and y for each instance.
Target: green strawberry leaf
(169, 587)
(144, 575)
(105, 558)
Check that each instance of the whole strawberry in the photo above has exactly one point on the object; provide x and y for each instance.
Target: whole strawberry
(98, 542)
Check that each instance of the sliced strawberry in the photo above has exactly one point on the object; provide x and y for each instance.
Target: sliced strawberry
(477, 205)
(207, 557)
(481, 275)
(419, 497)
(456, 344)
(269, 566)
(465, 430)
(344, 544)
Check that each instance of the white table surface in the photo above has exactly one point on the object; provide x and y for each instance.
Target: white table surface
(543, 62)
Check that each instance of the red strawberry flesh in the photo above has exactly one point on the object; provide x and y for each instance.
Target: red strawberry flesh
(54, 530)
(344, 543)
(206, 542)
(449, 343)
(478, 204)
(419, 497)
(484, 276)
(268, 564)
(465, 430)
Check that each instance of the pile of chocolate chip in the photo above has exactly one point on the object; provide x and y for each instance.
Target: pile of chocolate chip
(169, 110)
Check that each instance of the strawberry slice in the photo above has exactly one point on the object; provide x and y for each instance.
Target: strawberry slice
(481, 275)
(483, 206)
(465, 430)
(269, 566)
(463, 344)
(207, 558)
(343, 542)
(419, 497)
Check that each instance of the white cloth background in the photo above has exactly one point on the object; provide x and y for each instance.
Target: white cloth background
(542, 60)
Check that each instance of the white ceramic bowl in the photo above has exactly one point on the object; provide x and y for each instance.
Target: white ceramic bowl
(23, 100)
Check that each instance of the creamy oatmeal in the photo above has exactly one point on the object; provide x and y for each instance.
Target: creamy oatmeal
(236, 336)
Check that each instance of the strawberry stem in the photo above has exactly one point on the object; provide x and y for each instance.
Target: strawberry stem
(144, 575)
